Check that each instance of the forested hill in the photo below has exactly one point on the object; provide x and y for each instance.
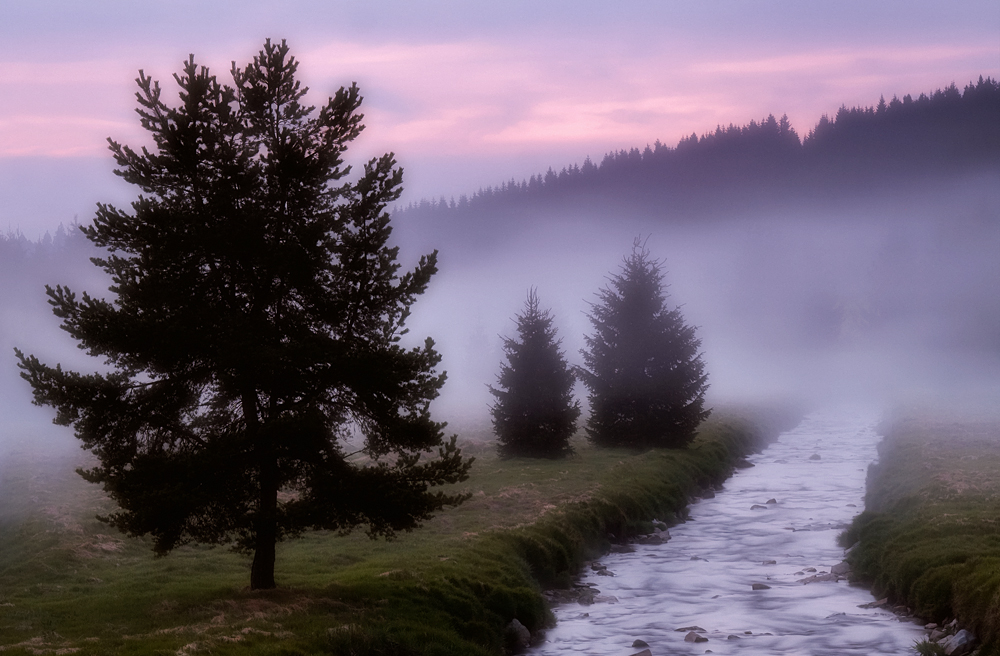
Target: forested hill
(941, 135)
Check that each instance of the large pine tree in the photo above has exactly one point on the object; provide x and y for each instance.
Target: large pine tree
(646, 377)
(534, 414)
(253, 326)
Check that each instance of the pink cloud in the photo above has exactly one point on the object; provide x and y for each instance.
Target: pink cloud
(56, 135)
(482, 98)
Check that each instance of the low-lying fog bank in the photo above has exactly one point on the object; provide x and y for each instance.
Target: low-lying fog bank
(881, 300)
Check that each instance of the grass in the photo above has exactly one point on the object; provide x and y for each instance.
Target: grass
(930, 537)
(68, 584)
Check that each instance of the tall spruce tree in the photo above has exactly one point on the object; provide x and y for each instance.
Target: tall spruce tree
(646, 377)
(534, 414)
(253, 325)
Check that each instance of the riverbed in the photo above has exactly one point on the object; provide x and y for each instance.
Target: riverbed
(772, 527)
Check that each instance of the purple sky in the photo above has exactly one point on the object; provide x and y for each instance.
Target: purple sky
(467, 94)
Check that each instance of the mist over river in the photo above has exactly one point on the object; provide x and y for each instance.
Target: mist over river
(704, 576)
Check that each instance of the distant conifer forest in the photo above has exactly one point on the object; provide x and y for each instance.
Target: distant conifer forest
(945, 134)
(862, 151)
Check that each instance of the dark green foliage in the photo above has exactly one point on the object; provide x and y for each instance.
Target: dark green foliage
(254, 324)
(928, 648)
(646, 377)
(534, 414)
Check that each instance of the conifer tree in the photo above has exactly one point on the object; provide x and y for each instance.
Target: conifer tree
(253, 325)
(534, 414)
(646, 377)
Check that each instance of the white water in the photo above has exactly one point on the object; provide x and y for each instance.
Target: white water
(662, 588)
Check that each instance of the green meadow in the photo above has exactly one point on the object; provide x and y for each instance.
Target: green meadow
(930, 535)
(69, 584)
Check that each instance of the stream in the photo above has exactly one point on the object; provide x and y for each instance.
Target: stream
(703, 577)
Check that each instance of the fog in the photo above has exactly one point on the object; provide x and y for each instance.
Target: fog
(884, 300)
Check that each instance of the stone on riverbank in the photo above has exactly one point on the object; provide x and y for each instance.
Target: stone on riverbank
(840, 569)
(959, 644)
(518, 634)
(654, 539)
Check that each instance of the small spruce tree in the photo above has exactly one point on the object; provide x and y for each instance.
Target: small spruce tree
(646, 377)
(534, 414)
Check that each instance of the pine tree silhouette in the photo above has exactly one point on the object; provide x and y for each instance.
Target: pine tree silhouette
(534, 414)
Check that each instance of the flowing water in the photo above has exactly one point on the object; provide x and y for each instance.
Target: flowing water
(815, 477)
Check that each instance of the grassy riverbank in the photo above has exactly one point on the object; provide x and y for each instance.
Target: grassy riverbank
(69, 583)
(930, 537)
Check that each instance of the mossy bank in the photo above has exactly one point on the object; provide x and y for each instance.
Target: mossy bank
(929, 538)
(451, 588)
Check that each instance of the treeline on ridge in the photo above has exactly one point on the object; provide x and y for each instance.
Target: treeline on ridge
(949, 131)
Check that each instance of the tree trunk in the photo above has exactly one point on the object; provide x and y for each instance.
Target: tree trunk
(266, 521)
(262, 569)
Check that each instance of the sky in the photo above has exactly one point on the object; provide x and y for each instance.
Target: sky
(467, 94)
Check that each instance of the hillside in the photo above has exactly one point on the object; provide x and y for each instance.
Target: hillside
(894, 145)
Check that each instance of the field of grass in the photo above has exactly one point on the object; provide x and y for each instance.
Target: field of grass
(930, 537)
(69, 584)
